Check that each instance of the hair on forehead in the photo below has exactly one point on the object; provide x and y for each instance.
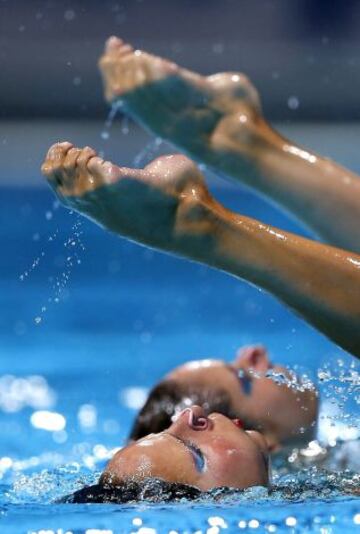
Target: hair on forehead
(170, 397)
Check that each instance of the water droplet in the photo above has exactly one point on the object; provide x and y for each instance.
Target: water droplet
(125, 126)
(293, 102)
(105, 135)
(69, 15)
(218, 48)
(48, 215)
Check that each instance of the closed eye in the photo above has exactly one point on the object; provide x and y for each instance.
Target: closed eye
(244, 379)
(198, 456)
(196, 453)
(246, 383)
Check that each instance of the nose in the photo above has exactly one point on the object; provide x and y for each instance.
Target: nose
(195, 418)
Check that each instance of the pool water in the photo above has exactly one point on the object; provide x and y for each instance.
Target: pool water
(88, 323)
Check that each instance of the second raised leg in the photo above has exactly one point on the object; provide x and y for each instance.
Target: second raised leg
(217, 120)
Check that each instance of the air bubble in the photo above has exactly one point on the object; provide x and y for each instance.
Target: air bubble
(37, 319)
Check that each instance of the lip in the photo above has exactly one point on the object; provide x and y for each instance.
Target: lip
(238, 423)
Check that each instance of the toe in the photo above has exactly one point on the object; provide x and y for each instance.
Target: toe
(58, 150)
(125, 49)
(54, 159)
(86, 154)
(69, 162)
(113, 44)
(95, 165)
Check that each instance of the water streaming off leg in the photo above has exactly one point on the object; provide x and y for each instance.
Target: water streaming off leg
(73, 247)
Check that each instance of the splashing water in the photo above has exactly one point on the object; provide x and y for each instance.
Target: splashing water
(51, 484)
(125, 125)
(74, 248)
(49, 214)
(339, 387)
(105, 134)
(148, 153)
(289, 379)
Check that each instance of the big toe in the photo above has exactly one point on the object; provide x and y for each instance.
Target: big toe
(113, 44)
(58, 150)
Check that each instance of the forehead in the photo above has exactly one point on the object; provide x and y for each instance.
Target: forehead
(155, 455)
(153, 448)
(198, 365)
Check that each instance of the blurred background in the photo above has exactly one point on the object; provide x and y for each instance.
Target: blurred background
(302, 55)
(304, 49)
(99, 319)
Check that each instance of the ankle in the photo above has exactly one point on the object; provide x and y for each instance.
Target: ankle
(195, 229)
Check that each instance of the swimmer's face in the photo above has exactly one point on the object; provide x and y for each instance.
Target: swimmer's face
(205, 452)
(279, 412)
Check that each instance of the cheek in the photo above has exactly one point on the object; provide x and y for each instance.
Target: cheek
(224, 460)
(237, 468)
(267, 395)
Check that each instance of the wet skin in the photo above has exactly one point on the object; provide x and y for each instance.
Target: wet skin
(217, 120)
(167, 206)
(282, 414)
(205, 452)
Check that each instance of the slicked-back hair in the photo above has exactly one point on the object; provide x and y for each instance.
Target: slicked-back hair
(169, 397)
(131, 491)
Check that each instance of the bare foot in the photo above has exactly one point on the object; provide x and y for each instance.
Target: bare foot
(195, 112)
(163, 205)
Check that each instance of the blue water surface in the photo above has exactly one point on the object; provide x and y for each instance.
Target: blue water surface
(118, 316)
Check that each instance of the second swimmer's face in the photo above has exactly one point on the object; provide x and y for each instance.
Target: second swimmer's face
(281, 413)
(202, 451)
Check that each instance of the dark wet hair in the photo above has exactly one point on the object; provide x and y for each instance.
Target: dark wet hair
(132, 491)
(170, 397)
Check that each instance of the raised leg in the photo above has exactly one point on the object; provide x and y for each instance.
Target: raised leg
(217, 120)
(167, 206)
